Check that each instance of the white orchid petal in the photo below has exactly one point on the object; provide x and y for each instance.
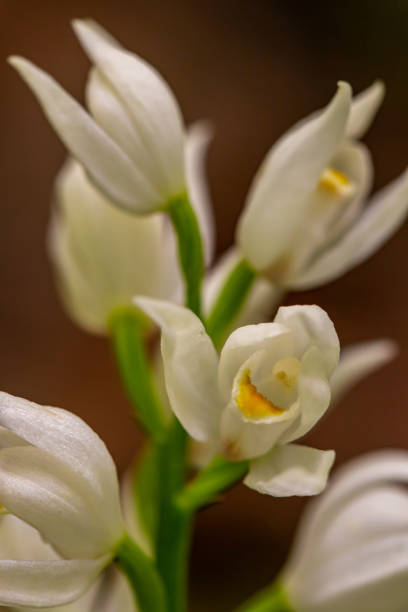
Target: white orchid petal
(110, 168)
(363, 517)
(314, 395)
(361, 473)
(44, 492)
(9, 439)
(244, 439)
(364, 107)
(21, 542)
(357, 362)
(198, 138)
(46, 583)
(383, 217)
(244, 342)
(67, 438)
(290, 470)
(278, 199)
(103, 255)
(115, 594)
(190, 366)
(312, 326)
(148, 100)
(108, 111)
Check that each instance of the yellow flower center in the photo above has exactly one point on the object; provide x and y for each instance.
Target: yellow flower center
(253, 404)
(335, 182)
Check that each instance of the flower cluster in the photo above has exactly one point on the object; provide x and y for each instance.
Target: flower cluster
(131, 240)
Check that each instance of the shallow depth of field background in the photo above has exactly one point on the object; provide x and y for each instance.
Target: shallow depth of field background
(253, 68)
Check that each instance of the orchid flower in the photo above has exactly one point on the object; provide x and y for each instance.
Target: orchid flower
(56, 476)
(356, 363)
(304, 223)
(351, 549)
(131, 142)
(268, 387)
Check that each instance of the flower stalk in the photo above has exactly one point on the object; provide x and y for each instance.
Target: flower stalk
(127, 329)
(190, 249)
(144, 579)
(230, 300)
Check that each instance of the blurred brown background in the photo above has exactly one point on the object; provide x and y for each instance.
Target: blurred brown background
(253, 68)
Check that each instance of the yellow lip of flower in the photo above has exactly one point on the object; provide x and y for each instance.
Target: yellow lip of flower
(253, 404)
(335, 182)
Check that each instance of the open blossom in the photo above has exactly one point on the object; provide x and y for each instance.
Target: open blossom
(132, 140)
(356, 363)
(304, 223)
(268, 387)
(351, 551)
(57, 476)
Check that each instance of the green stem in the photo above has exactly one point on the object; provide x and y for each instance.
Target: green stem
(271, 599)
(215, 478)
(174, 528)
(190, 249)
(230, 300)
(145, 581)
(127, 330)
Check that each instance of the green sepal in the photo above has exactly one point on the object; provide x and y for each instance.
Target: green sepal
(128, 329)
(229, 301)
(215, 478)
(190, 249)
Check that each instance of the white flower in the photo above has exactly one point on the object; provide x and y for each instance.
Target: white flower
(57, 476)
(104, 256)
(20, 542)
(351, 551)
(268, 387)
(303, 224)
(132, 140)
(356, 362)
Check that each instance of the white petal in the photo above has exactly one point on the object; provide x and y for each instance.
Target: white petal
(148, 99)
(110, 168)
(46, 583)
(190, 367)
(9, 439)
(21, 542)
(198, 138)
(314, 395)
(383, 217)
(67, 438)
(363, 110)
(357, 362)
(42, 491)
(361, 473)
(103, 255)
(115, 595)
(112, 116)
(278, 199)
(244, 439)
(312, 326)
(246, 341)
(368, 533)
(290, 470)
